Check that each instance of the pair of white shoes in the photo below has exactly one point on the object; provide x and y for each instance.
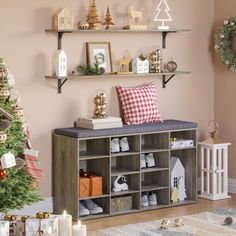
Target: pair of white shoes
(120, 184)
(147, 161)
(89, 207)
(149, 200)
(119, 145)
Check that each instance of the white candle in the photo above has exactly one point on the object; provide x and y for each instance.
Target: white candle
(65, 224)
(79, 230)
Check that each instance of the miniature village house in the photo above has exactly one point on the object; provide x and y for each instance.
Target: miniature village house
(140, 66)
(64, 20)
(61, 63)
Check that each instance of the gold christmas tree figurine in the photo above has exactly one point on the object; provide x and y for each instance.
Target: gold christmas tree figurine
(93, 17)
(108, 20)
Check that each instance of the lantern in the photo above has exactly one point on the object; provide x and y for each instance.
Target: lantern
(214, 165)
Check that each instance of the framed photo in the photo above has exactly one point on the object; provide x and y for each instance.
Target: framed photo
(100, 53)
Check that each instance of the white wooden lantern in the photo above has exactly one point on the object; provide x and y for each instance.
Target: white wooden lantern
(61, 63)
(214, 169)
(140, 66)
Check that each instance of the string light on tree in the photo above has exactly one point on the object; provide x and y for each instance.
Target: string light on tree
(163, 14)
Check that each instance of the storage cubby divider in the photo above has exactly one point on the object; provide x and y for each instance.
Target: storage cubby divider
(75, 149)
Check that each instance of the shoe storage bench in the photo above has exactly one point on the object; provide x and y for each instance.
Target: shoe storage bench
(77, 148)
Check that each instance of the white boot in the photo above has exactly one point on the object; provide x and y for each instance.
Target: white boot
(120, 184)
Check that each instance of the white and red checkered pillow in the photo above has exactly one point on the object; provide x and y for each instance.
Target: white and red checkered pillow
(139, 104)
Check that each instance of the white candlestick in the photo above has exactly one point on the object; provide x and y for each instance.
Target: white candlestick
(65, 224)
(79, 230)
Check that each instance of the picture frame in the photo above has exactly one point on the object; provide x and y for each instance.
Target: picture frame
(100, 52)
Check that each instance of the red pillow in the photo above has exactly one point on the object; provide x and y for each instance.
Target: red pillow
(139, 104)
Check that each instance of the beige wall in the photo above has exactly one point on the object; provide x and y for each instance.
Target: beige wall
(28, 51)
(225, 86)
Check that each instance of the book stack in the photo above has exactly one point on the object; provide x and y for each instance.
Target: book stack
(105, 123)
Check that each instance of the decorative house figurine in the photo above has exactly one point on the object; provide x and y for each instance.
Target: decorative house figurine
(124, 63)
(61, 63)
(155, 61)
(83, 25)
(64, 20)
(136, 20)
(177, 179)
(140, 65)
(214, 165)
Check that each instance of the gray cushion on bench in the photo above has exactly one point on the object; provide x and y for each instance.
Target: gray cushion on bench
(126, 129)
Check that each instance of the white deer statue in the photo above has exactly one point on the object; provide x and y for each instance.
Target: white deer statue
(137, 16)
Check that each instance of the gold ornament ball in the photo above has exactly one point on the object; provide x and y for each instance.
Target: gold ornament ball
(104, 107)
(227, 63)
(99, 107)
(216, 47)
(97, 100)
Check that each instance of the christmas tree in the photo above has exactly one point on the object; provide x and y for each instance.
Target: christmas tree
(108, 20)
(175, 195)
(18, 172)
(163, 14)
(93, 17)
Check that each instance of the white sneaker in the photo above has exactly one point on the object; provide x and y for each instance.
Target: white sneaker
(115, 146)
(143, 161)
(83, 211)
(144, 200)
(93, 207)
(124, 145)
(152, 199)
(150, 160)
(120, 184)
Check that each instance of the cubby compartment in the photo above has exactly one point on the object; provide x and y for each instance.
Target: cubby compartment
(100, 167)
(154, 142)
(132, 180)
(89, 148)
(122, 165)
(161, 160)
(155, 180)
(188, 160)
(162, 196)
(103, 202)
(133, 143)
(125, 203)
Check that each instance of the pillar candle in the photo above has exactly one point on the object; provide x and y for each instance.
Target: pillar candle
(79, 230)
(65, 224)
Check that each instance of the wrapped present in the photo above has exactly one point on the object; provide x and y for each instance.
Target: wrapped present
(95, 188)
(121, 204)
(83, 187)
(4, 228)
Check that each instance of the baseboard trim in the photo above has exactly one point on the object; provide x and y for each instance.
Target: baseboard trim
(45, 205)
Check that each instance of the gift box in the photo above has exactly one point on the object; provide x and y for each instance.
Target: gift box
(84, 184)
(34, 226)
(95, 188)
(121, 204)
(4, 228)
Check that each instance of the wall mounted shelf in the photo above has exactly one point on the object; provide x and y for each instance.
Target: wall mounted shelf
(166, 77)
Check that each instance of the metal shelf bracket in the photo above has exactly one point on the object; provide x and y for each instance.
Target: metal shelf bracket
(60, 84)
(165, 80)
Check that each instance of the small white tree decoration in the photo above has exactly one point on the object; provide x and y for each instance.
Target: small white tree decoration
(163, 14)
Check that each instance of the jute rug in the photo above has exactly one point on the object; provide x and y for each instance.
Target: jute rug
(202, 224)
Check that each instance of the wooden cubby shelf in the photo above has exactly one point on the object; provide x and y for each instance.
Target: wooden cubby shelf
(166, 76)
(75, 149)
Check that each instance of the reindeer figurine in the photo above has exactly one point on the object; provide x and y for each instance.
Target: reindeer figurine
(137, 16)
(123, 64)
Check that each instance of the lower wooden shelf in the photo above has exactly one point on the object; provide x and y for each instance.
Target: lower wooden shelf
(94, 197)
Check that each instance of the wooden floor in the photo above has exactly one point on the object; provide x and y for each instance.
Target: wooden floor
(201, 206)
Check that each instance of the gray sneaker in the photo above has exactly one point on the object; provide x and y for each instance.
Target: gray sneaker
(92, 207)
(83, 211)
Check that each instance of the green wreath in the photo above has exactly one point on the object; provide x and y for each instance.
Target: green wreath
(223, 43)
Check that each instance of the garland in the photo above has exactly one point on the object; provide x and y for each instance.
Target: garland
(223, 40)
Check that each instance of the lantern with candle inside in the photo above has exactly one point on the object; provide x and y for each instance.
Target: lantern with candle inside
(65, 224)
(4, 228)
(214, 165)
(79, 229)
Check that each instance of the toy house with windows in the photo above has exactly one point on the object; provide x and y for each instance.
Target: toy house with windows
(61, 63)
(140, 66)
(177, 179)
(64, 20)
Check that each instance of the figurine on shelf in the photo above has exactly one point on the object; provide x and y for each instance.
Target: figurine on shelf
(124, 63)
(155, 61)
(93, 17)
(136, 20)
(140, 65)
(100, 102)
(108, 20)
(63, 20)
(83, 25)
(61, 63)
(171, 66)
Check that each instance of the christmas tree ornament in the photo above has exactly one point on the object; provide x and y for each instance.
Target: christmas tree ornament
(93, 17)
(228, 220)
(100, 102)
(8, 160)
(171, 66)
(108, 19)
(3, 137)
(155, 59)
(4, 124)
(3, 174)
(4, 93)
(162, 15)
